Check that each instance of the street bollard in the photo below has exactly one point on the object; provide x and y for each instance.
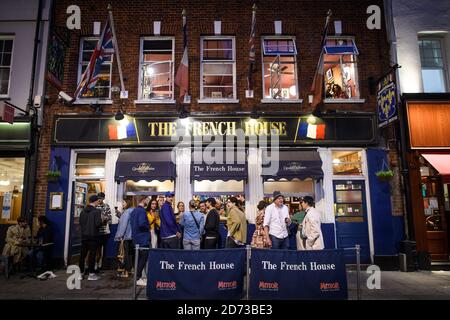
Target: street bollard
(248, 250)
(136, 257)
(358, 272)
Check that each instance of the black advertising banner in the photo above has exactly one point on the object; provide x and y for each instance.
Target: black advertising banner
(196, 274)
(288, 274)
(168, 131)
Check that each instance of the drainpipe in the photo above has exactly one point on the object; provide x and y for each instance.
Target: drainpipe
(401, 126)
(34, 136)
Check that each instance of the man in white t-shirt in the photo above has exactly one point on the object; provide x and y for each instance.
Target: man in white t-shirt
(276, 223)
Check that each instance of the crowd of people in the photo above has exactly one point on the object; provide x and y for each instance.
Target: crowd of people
(153, 223)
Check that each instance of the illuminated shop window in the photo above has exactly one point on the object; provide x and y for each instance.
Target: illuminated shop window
(144, 187)
(347, 163)
(11, 188)
(280, 68)
(90, 165)
(340, 69)
(156, 69)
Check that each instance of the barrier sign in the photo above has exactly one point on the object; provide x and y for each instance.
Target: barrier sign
(286, 274)
(200, 274)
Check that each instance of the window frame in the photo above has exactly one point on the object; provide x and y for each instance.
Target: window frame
(281, 100)
(7, 37)
(203, 99)
(444, 67)
(140, 73)
(80, 99)
(357, 99)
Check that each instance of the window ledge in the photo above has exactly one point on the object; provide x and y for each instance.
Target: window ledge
(218, 101)
(92, 101)
(344, 100)
(282, 101)
(154, 102)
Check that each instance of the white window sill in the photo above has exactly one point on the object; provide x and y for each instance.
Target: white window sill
(344, 100)
(92, 101)
(154, 101)
(282, 101)
(218, 101)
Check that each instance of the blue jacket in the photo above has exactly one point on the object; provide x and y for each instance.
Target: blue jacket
(124, 227)
(169, 225)
(191, 231)
(140, 227)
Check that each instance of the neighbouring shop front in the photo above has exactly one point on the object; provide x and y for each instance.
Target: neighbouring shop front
(331, 158)
(428, 132)
(14, 164)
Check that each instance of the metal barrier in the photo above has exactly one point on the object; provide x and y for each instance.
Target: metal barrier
(357, 249)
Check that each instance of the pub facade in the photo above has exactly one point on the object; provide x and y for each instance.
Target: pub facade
(223, 140)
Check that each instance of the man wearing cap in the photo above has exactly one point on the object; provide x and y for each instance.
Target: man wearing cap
(276, 222)
(105, 210)
(169, 231)
(90, 223)
(312, 232)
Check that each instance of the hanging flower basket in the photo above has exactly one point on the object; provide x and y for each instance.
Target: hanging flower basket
(385, 175)
(53, 176)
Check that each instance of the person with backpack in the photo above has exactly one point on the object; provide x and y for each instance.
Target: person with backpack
(193, 223)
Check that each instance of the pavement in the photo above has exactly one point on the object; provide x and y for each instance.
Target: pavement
(394, 285)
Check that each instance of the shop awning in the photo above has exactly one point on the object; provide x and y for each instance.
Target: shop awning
(219, 169)
(441, 162)
(145, 166)
(292, 165)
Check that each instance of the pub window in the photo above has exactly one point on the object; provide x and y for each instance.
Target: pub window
(156, 69)
(347, 163)
(280, 68)
(218, 186)
(11, 188)
(340, 69)
(90, 165)
(6, 47)
(143, 187)
(102, 89)
(433, 65)
(218, 68)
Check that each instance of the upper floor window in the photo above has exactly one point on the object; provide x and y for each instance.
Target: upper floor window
(6, 47)
(102, 89)
(156, 69)
(218, 68)
(280, 68)
(433, 65)
(340, 69)
(347, 162)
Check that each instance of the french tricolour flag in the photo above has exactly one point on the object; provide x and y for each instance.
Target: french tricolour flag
(120, 131)
(312, 131)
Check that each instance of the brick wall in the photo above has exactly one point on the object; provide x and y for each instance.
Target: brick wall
(133, 19)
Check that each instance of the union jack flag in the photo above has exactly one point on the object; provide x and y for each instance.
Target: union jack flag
(103, 50)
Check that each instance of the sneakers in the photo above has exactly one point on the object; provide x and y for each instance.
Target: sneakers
(141, 282)
(93, 277)
(80, 277)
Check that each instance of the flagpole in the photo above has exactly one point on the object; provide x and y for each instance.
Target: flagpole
(116, 48)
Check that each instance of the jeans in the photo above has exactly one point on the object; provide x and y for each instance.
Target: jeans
(278, 243)
(191, 244)
(88, 245)
(170, 243)
(142, 261)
